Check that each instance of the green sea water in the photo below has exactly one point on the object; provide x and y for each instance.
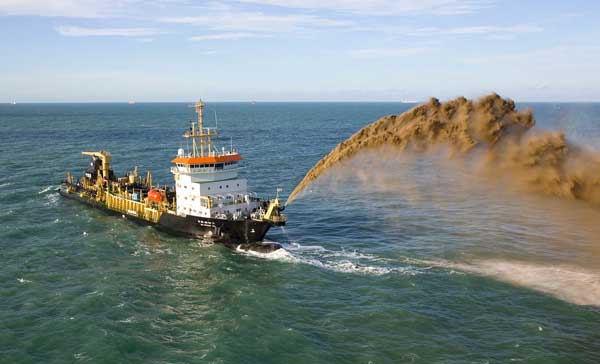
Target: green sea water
(388, 259)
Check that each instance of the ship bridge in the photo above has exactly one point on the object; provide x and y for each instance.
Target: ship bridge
(213, 168)
(206, 179)
(204, 162)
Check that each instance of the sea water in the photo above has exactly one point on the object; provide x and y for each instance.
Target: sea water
(388, 259)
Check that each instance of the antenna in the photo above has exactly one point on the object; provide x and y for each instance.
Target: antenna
(216, 120)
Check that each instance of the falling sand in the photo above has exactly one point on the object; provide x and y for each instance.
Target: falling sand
(543, 161)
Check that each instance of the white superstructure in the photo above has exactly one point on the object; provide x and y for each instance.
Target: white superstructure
(206, 179)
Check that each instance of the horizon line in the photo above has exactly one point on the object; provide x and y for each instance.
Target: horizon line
(131, 102)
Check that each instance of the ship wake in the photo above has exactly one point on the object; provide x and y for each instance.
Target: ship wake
(571, 284)
(340, 261)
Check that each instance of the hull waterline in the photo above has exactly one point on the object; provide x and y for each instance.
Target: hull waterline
(246, 234)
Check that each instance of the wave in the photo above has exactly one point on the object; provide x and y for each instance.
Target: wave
(6, 213)
(5, 184)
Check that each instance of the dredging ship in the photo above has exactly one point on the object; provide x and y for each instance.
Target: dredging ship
(208, 200)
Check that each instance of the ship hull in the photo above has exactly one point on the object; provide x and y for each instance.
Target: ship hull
(244, 234)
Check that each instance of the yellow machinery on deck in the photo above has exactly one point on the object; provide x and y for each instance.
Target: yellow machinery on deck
(128, 195)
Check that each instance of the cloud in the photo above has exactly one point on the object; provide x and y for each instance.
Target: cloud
(59, 8)
(387, 52)
(515, 29)
(488, 30)
(74, 31)
(256, 21)
(384, 7)
(227, 36)
(555, 57)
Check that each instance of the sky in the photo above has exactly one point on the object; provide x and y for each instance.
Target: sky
(298, 50)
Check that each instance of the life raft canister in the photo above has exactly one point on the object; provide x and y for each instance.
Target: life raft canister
(155, 195)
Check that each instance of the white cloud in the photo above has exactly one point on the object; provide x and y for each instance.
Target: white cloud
(226, 36)
(384, 7)
(387, 52)
(256, 21)
(515, 29)
(555, 57)
(59, 8)
(489, 30)
(73, 31)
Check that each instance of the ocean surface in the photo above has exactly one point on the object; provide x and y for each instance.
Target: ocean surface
(388, 259)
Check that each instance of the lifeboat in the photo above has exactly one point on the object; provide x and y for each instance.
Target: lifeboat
(155, 195)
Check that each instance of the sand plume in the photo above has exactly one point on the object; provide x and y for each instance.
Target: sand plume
(543, 161)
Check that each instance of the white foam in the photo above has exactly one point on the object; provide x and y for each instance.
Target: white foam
(95, 293)
(127, 320)
(346, 266)
(279, 254)
(338, 261)
(23, 280)
(81, 356)
(52, 199)
(299, 247)
(46, 189)
(5, 184)
(571, 284)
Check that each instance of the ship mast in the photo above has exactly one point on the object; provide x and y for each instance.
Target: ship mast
(202, 134)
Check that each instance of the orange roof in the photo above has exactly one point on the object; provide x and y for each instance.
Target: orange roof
(207, 160)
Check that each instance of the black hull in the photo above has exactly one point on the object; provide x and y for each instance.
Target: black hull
(235, 234)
